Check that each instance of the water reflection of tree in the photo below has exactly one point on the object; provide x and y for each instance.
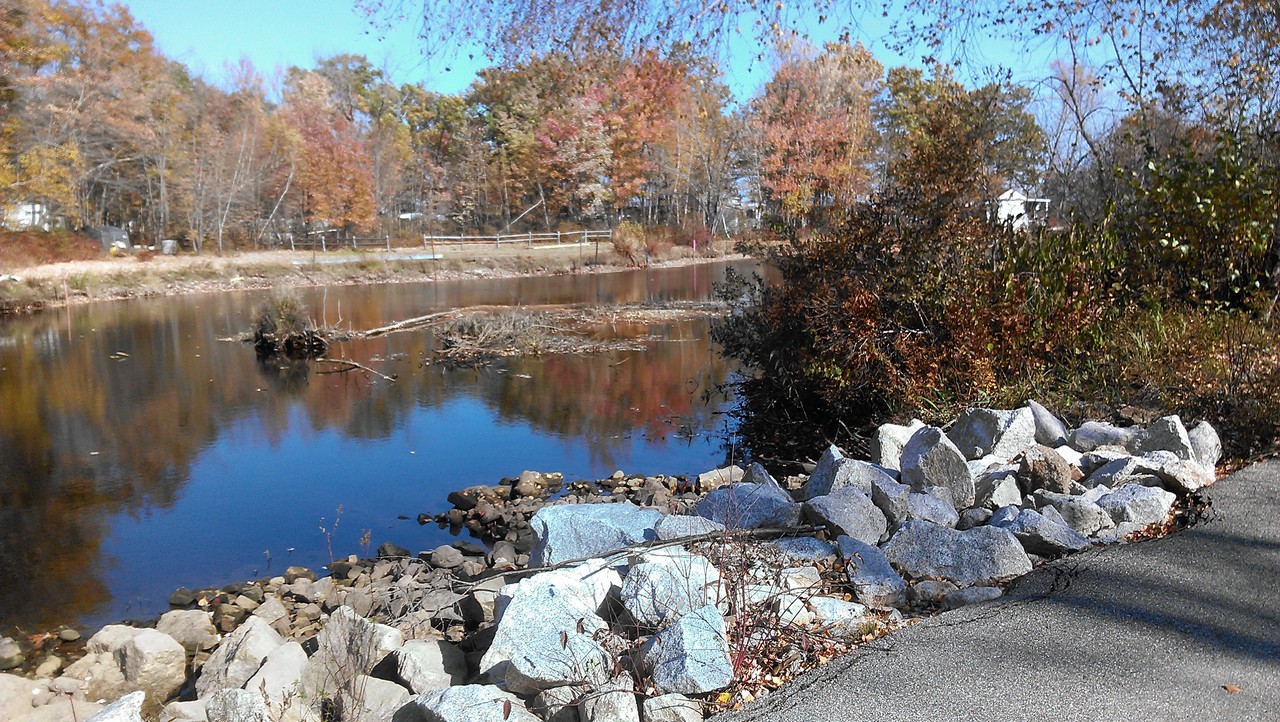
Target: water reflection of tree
(605, 398)
(103, 411)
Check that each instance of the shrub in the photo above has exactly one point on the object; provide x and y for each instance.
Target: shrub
(629, 242)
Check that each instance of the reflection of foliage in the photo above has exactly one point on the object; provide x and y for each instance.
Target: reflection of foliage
(287, 375)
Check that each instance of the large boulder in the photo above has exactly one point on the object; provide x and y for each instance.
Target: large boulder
(238, 657)
(1042, 536)
(1097, 434)
(237, 705)
(1050, 431)
(995, 489)
(557, 658)
(1044, 468)
(155, 663)
(466, 703)
(348, 645)
(680, 526)
(892, 499)
(836, 472)
(540, 607)
(613, 701)
(369, 699)
(993, 432)
(671, 708)
(1206, 447)
(428, 664)
(928, 507)
(1177, 474)
(580, 531)
(978, 556)
(280, 675)
(192, 628)
(874, 581)
(887, 444)
(692, 655)
(1164, 434)
(660, 591)
(930, 459)
(126, 709)
(1079, 513)
(749, 506)
(1138, 504)
(848, 511)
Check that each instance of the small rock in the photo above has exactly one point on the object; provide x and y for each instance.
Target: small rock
(972, 595)
(192, 628)
(969, 518)
(294, 573)
(446, 557)
(805, 549)
(10, 654)
(716, 478)
(391, 549)
(68, 635)
(182, 597)
(930, 591)
(926, 507)
(613, 701)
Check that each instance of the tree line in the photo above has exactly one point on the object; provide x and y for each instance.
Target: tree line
(97, 127)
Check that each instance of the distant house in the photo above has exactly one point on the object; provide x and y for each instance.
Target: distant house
(1019, 211)
(25, 216)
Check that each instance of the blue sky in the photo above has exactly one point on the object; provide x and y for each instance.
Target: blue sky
(281, 33)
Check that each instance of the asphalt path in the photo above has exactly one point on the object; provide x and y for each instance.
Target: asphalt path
(1181, 628)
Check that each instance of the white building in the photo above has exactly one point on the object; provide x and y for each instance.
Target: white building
(1021, 212)
(24, 216)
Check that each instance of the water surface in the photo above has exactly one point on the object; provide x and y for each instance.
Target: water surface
(139, 453)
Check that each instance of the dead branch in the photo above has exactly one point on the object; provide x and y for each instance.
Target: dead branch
(351, 366)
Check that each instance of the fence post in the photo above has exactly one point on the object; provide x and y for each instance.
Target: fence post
(387, 238)
(530, 235)
(324, 246)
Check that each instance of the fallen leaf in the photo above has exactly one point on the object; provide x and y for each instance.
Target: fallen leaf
(1231, 688)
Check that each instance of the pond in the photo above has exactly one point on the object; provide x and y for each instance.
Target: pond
(139, 453)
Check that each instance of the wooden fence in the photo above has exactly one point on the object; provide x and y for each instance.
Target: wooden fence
(557, 238)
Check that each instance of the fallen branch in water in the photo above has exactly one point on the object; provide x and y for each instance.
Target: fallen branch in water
(351, 366)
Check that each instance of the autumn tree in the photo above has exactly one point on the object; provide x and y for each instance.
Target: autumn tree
(816, 129)
(334, 180)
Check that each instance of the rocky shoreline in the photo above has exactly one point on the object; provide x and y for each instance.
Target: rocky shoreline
(635, 598)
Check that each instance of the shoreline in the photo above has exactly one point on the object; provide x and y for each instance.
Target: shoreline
(76, 283)
(788, 573)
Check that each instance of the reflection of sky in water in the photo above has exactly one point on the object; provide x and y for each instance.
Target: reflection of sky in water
(139, 453)
(246, 495)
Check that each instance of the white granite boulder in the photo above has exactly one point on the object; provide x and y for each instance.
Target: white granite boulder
(993, 432)
(874, 581)
(975, 557)
(930, 459)
(692, 655)
(581, 531)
